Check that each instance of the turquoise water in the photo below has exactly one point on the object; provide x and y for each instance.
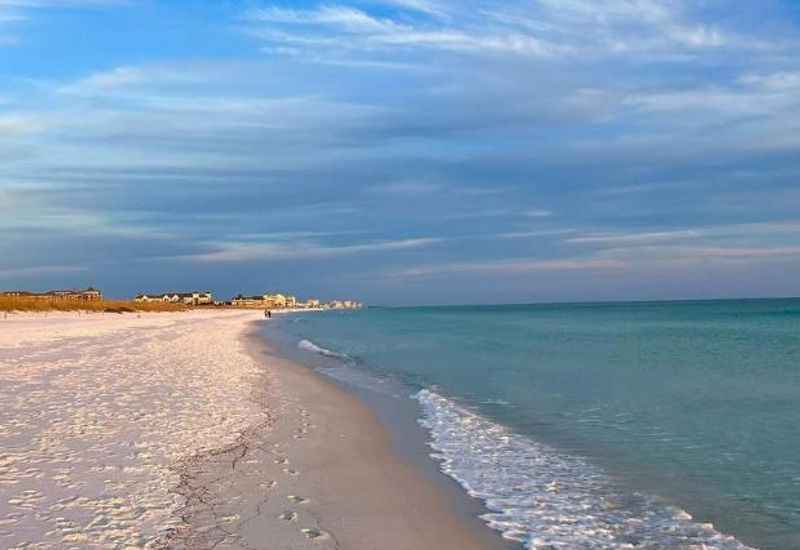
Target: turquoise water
(630, 425)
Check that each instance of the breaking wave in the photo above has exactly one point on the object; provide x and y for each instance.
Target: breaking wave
(547, 499)
(308, 345)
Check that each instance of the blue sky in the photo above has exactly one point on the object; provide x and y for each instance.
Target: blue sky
(402, 151)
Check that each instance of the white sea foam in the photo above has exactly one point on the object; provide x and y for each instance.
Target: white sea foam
(308, 345)
(547, 499)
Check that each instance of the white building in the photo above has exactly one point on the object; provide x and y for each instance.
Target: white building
(188, 298)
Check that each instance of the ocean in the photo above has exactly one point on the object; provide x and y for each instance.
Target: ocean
(613, 425)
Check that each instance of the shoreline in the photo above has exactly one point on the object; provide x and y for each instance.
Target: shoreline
(367, 495)
(185, 430)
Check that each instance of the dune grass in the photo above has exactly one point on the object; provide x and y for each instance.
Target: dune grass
(23, 303)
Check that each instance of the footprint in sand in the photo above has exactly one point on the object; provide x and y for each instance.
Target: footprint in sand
(268, 485)
(288, 516)
(315, 534)
(281, 460)
(291, 472)
(294, 499)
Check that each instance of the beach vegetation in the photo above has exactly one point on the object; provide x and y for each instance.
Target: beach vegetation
(26, 303)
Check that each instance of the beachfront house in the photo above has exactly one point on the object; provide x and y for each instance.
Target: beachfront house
(152, 297)
(188, 298)
(90, 294)
(196, 298)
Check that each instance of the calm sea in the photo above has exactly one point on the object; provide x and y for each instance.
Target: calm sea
(625, 425)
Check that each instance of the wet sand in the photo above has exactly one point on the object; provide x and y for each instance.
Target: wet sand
(183, 431)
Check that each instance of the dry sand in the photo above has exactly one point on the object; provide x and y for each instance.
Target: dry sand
(174, 431)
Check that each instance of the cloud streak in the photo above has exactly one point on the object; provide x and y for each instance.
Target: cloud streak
(250, 252)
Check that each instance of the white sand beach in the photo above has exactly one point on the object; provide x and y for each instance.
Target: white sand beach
(177, 430)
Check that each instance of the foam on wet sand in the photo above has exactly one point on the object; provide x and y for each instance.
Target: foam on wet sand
(173, 430)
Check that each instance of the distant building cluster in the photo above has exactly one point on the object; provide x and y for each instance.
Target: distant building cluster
(196, 298)
(283, 301)
(343, 304)
(89, 294)
(189, 298)
(270, 301)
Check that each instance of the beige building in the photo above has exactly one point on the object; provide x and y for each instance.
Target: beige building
(275, 300)
(248, 301)
(90, 294)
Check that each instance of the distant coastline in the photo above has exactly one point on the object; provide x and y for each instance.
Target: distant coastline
(92, 299)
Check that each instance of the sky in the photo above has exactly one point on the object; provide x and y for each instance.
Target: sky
(402, 151)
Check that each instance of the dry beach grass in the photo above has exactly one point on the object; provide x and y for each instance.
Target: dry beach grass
(23, 303)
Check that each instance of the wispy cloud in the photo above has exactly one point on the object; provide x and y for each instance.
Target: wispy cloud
(127, 77)
(634, 238)
(438, 9)
(535, 233)
(351, 29)
(17, 12)
(542, 29)
(36, 271)
(345, 18)
(678, 254)
(538, 213)
(407, 188)
(510, 266)
(747, 230)
(249, 252)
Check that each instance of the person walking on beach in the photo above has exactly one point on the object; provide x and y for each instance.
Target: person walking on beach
(267, 314)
